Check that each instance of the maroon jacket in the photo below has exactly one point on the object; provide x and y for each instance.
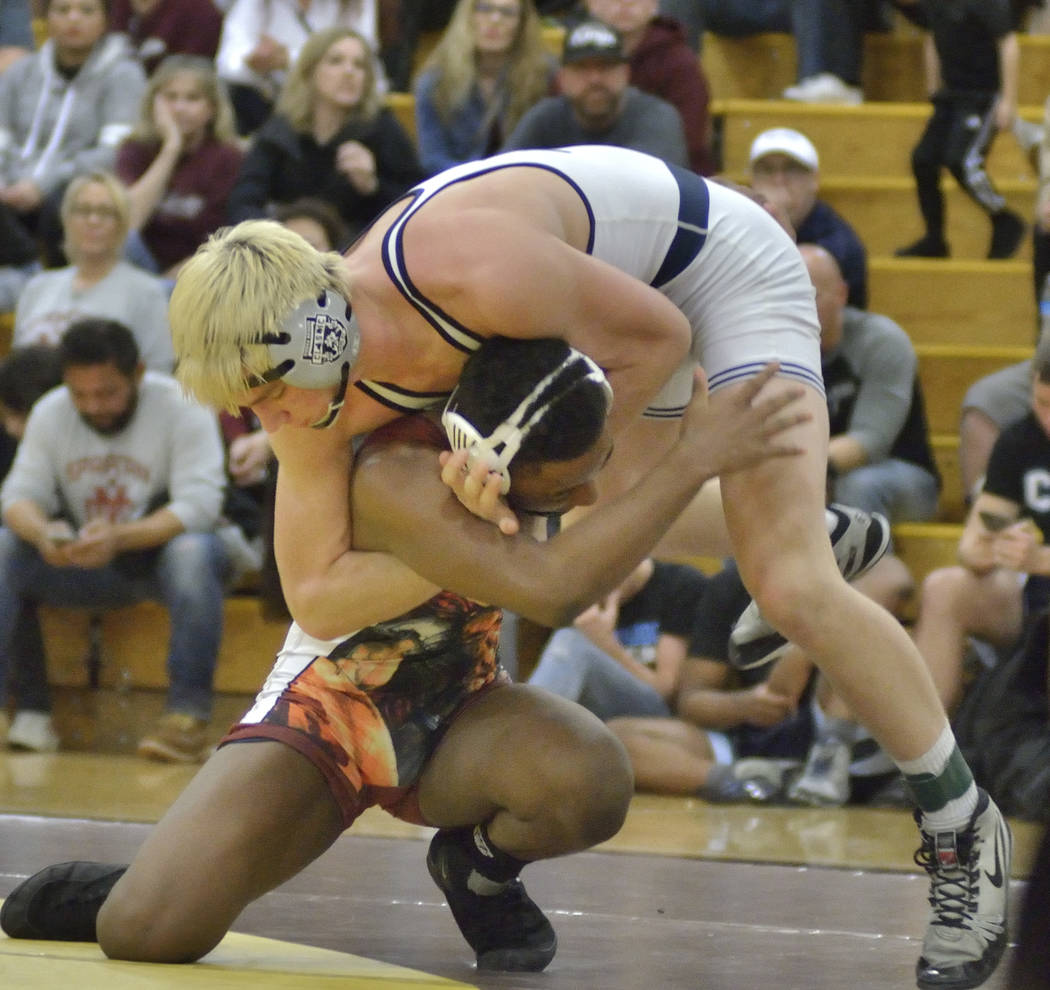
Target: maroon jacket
(663, 64)
(173, 27)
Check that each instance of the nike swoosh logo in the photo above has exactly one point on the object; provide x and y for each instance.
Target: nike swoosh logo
(996, 878)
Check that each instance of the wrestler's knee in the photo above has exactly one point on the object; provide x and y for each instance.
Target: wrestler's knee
(590, 788)
(155, 928)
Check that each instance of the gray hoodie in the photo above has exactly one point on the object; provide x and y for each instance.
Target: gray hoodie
(52, 128)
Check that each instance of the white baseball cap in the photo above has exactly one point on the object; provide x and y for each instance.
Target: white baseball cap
(785, 141)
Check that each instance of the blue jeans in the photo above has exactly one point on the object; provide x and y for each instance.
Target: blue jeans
(829, 34)
(900, 490)
(573, 667)
(187, 575)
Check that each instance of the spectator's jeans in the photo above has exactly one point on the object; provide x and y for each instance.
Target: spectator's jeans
(829, 34)
(900, 490)
(573, 667)
(187, 575)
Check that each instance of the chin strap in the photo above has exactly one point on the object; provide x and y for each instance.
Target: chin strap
(337, 402)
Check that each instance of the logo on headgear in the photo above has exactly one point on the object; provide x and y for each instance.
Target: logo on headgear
(325, 339)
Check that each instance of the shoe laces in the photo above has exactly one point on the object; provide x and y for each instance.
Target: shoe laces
(950, 859)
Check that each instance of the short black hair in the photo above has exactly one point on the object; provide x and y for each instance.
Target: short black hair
(26, 374)
(503, 371)
(107, 9)
(94, 340)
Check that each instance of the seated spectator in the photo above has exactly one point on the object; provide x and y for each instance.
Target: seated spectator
(663, 63)
(331, 137)
(736, 734)
(990, 405)
(98, 282)
(261, 41)
(785, 169)
(315, 221)
(16, 32)
(972, 59)
(1041, 226)
(158, 28)
(624, 655)
(828, 35)
(879, 454)
(114, 498)
(597, 105)
(63, 111)
(180, 163)
(1003, 572)
(401, 23)
(26, 373)
(489, 67)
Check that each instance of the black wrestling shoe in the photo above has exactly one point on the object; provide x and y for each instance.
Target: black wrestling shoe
(1007, 232)
(969, 874)
(859, 539)
(60, 903)
(925, 247)
(506, 930)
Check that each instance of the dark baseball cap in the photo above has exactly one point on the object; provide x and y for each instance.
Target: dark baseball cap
(592, 40)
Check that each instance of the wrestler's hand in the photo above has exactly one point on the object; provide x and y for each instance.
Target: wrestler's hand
(479, 489)
(775, 210)
(743, 430)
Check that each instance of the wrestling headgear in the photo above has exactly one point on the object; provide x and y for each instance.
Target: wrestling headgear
(315, 348)
(500, 447)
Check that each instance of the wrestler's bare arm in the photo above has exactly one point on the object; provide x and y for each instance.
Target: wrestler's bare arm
(501, 273)
(330, 589)
(401, 506)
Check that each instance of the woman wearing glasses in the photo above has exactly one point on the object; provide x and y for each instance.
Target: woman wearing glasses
(98, 282)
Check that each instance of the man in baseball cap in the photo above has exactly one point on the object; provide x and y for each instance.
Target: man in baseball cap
(785, 169)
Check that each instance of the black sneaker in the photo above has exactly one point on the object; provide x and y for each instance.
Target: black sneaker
(969, 883)
(925, 247)
(60, 903)
(506, 930)
(859, 539)
(1007, 230)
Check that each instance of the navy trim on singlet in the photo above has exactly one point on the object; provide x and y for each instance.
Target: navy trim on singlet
(413, 401)
(788, 369)
(694, 208)
(432, 313)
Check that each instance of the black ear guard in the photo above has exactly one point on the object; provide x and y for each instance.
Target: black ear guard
(316, 345)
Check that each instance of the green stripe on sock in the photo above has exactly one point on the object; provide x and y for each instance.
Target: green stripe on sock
(932, 792)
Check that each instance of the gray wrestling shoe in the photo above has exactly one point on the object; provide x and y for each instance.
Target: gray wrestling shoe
(824, 783)
(859, 539)
(969, 882)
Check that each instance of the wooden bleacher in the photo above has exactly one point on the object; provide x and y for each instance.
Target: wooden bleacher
(966, 316)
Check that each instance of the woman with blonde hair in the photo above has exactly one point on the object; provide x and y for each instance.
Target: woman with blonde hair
(179, 164)
(489, 67)
(98, 283)
(330, 137)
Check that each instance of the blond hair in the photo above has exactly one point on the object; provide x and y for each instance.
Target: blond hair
(527, 77)
(220, 127)
(118, 196)
(296, 102)
(236, 289)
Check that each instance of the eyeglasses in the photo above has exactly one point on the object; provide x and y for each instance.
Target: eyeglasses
(495, 10)
(101, 212)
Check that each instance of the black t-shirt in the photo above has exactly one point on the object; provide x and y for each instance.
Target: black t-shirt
(966, 34)
(1019, 470)
(666, 605)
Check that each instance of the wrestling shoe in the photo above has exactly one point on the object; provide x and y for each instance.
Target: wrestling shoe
(506, 930)
(859, 539)
(60, 903)
(824, 783)
(969, 881)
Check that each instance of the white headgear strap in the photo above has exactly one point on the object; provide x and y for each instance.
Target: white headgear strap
(501, 446)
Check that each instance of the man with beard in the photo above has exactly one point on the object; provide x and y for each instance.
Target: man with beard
(114, 498)
(598, 106)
